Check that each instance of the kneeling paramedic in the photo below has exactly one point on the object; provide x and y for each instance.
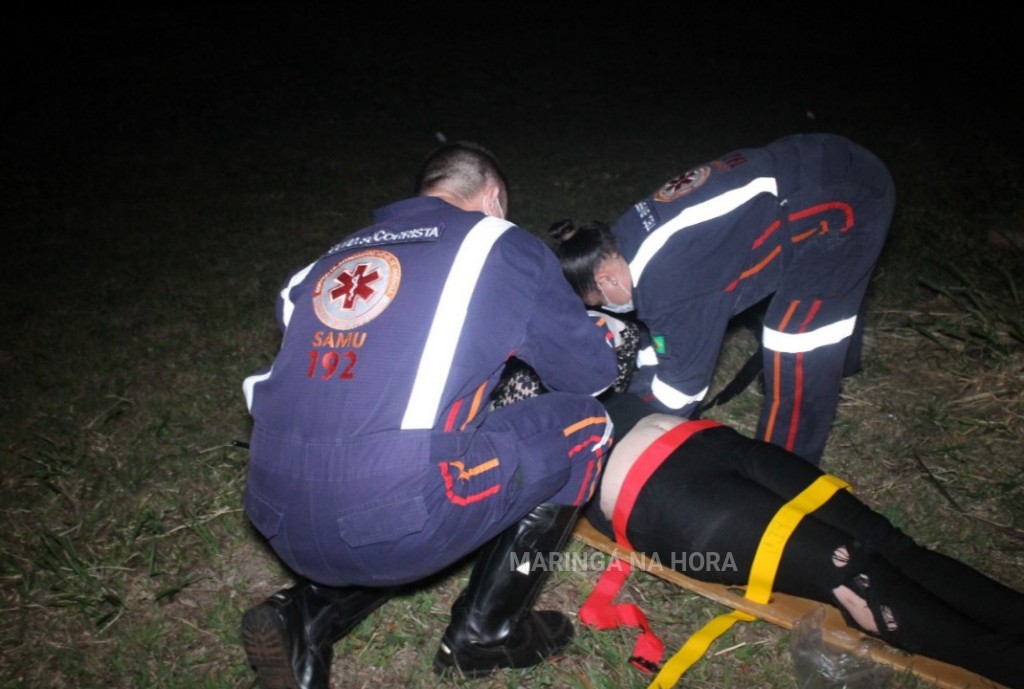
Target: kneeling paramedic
(376, 457)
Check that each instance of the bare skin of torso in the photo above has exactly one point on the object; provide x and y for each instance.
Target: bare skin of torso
(627, 450)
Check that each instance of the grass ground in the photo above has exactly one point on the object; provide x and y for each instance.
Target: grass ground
(150, 215)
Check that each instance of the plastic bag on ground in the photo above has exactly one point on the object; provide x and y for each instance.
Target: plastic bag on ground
(816, 666)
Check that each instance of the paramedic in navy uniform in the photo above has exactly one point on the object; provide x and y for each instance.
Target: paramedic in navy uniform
(800, 221)
(376, 459)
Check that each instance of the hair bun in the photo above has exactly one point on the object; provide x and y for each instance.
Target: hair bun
(561, 230)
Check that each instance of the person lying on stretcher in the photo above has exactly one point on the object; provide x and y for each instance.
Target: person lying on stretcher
(716, 491)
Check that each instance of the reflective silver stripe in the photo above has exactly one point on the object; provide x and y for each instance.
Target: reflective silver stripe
(446, 329)
(288, 307)
(647, 357)
(793, 343)
(249, 383)
(707, 210)
(672, 398)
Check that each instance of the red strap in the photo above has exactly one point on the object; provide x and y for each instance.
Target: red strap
(645, 465)
(599, 610)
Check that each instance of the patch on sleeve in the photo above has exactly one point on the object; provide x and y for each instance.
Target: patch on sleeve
(357, 289)
(730, 162)
(659, 344)
(683, 184)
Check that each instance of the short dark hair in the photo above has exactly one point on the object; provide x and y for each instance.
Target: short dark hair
(461, 168)
(580, 250)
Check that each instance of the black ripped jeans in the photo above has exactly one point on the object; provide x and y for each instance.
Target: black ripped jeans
(710, 501)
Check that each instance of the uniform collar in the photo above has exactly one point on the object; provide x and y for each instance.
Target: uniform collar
(410, 206)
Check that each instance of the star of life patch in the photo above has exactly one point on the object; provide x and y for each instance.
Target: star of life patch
(683, 184)
(357, 289)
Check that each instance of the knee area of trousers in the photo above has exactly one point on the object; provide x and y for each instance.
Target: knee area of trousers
(895, 543)
(849, 560)
(860, 592)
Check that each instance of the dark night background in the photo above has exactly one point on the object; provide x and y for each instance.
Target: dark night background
(195, 111)
(197, 108)
(85, 86)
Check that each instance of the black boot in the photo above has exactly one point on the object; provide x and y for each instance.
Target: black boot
(492, 624)
(289, 638)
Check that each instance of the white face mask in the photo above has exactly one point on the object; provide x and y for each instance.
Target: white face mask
(615, 308)
(619, 308)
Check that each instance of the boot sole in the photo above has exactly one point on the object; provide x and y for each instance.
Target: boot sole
(266, 647)
(445, 665)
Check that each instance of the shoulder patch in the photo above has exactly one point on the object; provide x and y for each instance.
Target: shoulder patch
(730, 162)
(683, 184)
(357, 289)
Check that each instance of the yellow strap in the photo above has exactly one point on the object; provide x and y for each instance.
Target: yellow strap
(695, 648)
(781, 527)
(762, 576)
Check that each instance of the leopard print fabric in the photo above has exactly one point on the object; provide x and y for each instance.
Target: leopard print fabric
(625, 354)
(521, 382)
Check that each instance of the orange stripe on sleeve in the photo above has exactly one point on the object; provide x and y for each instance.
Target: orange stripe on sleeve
(475, 407)
(580, 425)
(755, 269)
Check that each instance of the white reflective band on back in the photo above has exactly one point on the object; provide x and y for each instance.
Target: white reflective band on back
(446, 329)
(249, 383)
(672, 398)
(793, 343)
(647, 357)
(288, 308)
(712, 208)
